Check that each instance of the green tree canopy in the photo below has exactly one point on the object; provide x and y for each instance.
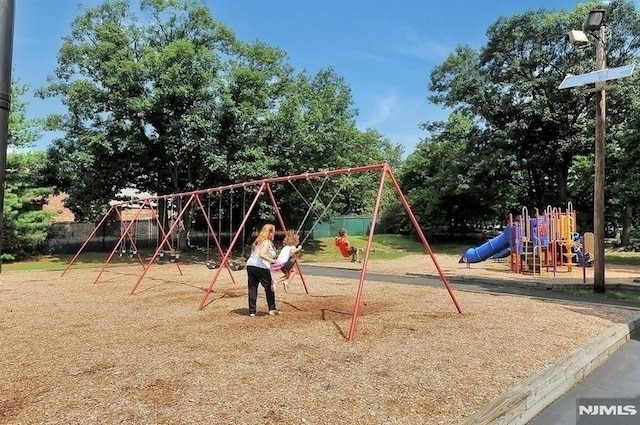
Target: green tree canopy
(538, 135)
(25, 224)
(170, 100)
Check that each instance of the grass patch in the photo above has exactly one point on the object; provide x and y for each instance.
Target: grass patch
(622, 258)
(616, 294)
(384, 247)
(59, 262)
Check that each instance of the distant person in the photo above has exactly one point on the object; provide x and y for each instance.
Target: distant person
(345, 246)
(286, 259)
(263, 255)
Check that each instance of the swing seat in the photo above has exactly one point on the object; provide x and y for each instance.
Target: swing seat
(233, 265)
(236, 266)
(346, 254)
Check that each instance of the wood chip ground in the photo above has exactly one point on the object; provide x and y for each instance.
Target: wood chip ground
(74, 352)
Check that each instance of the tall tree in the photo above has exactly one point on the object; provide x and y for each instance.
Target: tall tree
(510, 86)
(25, 223)
(450, 181)
(140, 100)
(174, 102)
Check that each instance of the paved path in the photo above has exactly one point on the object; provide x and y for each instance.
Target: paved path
(618, 377)
(466, 284)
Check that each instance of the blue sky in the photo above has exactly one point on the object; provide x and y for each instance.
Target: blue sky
(384, 49)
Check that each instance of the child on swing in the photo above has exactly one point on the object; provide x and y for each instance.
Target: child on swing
(345, 246)
(286, 260)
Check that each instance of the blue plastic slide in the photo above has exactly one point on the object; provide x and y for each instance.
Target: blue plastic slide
(488, 249)
(502, 254)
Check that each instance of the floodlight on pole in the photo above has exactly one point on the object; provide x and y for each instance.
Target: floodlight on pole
(594, 20)
(578, 38)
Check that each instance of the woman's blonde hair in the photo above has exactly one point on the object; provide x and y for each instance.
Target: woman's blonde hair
(267, 232)
(291, 238)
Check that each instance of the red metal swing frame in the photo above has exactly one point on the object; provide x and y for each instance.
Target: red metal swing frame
(264, 185)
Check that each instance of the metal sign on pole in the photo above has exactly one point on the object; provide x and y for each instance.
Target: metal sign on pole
(598, 77)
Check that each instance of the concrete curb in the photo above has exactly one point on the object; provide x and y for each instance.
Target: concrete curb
(524, 402)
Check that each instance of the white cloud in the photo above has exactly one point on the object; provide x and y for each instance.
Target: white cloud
(398, 116)
(412, 43)
(383, 108)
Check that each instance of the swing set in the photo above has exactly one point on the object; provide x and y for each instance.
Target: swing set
(194, 200)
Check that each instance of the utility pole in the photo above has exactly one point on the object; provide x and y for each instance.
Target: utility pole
(7, 19)
(599, 180)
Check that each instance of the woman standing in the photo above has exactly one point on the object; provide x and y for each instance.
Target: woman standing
(258, 266)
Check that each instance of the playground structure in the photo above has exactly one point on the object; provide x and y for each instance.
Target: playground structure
(547, 241)
(193, 201)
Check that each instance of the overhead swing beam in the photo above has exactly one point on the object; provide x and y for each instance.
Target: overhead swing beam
(260, 182)
(149, 199)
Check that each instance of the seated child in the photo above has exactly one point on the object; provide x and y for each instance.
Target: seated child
(584, 257)
(345, 247)
(286, 260)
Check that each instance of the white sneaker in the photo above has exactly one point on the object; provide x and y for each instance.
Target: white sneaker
(273, 312)
(252, 315)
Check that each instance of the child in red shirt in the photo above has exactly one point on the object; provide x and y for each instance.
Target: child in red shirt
(345, 247)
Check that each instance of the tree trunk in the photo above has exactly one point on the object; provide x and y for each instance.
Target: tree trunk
(562, 177)
(625, 238)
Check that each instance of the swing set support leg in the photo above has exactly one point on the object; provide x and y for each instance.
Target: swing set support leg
(225, 258)
(215, 239)
(86, 242)
(356, 307)
(173, 227)
(126, 233)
